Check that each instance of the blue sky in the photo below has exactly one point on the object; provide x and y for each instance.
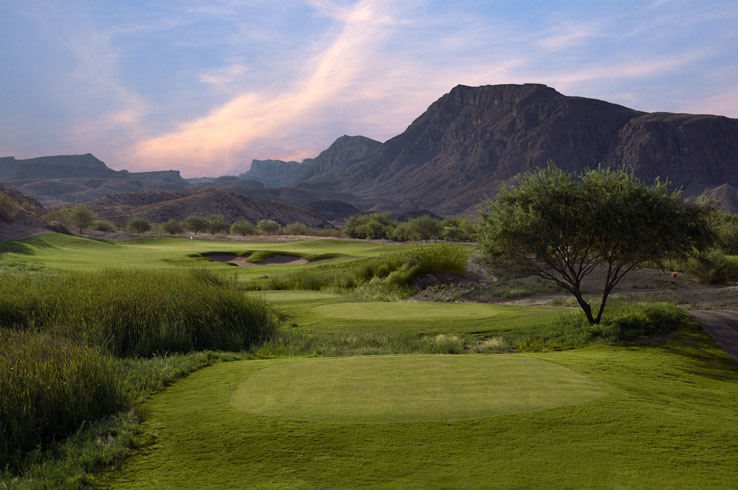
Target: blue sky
(206, 86)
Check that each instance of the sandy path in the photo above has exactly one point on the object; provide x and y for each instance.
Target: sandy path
(723, 326)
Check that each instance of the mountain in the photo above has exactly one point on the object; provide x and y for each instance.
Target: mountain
(161, 206)
(272, 173)
(78, 178)
(345, 152)
(473, 140)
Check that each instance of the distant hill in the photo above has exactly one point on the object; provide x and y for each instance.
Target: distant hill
(161, 206)
(345, 152)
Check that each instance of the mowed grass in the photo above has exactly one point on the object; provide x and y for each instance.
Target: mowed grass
(387, 389)
(665, 417)
(326, 312)
(74, 253)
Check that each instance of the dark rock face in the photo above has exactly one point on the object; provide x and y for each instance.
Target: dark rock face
(475, 139)
(314, 172)
(332, 210)
(271, 173)
(162, 175)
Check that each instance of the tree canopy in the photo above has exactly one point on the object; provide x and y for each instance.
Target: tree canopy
(561, 226)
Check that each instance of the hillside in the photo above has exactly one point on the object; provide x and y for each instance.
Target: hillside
(161, 206)
(475, 139)
(24, 216)
(345, 152)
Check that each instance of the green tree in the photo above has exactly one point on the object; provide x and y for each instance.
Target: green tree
(425, 228)
(138, 225)
(562, 226)
(172, 227)
(296, 229)
(268, 227)
(81, 217)
(8, 207)
(216, 223)
(242, 227)
(196, 224)
(372, 226)
(456, 229)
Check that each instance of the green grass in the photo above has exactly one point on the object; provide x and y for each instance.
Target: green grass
(132, 312)
(667, 418)
(389, 389)
(66, 252)
(48, 387)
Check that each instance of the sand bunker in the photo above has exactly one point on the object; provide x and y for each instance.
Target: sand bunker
(241, 261)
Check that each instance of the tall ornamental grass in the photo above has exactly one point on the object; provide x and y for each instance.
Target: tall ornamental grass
(48, 388)
(390, 270)
(131, 312)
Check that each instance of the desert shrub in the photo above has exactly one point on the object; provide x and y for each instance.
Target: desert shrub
(172, 227)
(217, 224)
(712, 267)
(726, 231)
(397, 270)
(296, 229)
(80, 217)
(457, 229)
(138, 225)
(195, 223)
(102, 225)
(242, 227)
(49, 387)
(621, 323)
(138, 312)
(28, 207)
(371, 226)
(8, 207)
(268, 227)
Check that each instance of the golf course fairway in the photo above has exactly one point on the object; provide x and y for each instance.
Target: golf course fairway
(386, 389)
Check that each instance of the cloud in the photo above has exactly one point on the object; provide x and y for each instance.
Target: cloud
(251, 119)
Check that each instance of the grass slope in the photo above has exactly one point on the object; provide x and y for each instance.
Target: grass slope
(668, 418)
(74, 253)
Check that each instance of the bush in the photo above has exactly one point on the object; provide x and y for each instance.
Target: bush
(49, 387)
(459, 230)
(372, 226)
(195, 224)
(712, 267)
(268, 227)
(389, 273)
(8, 208)
(102, 225)
(242, 227)
(217, 224)
(138, 312)
(138, 225)
(296, 229)
(172, 227)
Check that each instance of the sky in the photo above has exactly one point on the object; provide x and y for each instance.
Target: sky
(206, 86)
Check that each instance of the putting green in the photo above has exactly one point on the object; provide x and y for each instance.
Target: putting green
(386, 389)
(420, 310)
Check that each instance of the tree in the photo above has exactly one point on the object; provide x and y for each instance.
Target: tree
(562, 226)
(242, 227)
(139, 225)
(372, 226)
(81, 217)
(195, 223)
(457, 229)
(172, 227)
(425, 228)
(268, 227)
(296, 228)
(102, 225)
(216, 223)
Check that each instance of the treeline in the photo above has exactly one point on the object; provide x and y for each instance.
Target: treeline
(380, 226)
(79, 218)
